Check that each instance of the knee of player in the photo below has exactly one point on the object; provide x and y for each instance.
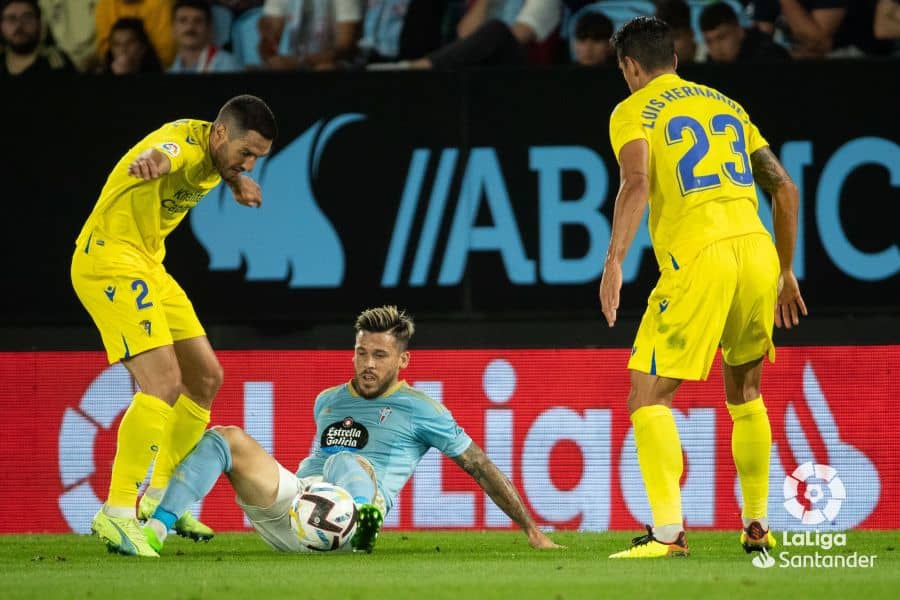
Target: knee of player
(166, 386)
(343, 458)
(212, 379)
(236, 437)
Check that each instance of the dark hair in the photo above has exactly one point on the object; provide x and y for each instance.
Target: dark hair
(674, 12)
(32, 3)
(648, 40)
(249, 113)
(387, 319)
(593, 26)
(201, 5)
(717, 14)
(150, 63)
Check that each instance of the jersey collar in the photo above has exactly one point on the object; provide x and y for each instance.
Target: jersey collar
(664, 79)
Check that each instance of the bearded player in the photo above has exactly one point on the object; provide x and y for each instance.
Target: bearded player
(145, 319)
(372, 432)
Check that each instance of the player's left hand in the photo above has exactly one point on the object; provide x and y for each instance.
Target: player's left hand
(538, 540)
(790, 303)
(610, 286)
(247, 192)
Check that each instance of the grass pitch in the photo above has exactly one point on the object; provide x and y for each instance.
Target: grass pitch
(432, 566)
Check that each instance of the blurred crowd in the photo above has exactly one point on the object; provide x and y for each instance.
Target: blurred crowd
(122, 37)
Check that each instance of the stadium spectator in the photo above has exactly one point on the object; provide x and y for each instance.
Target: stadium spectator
(157, 18)
(130, 50)
(728, 42)
(855, 38)
(592, 33)
(887, 20)
(494, 42)
(192, 28)
(395, 30)
(810, 25)
(678, 15)
(22, 52)
(321, 34)
(73, 29)
(239, 7)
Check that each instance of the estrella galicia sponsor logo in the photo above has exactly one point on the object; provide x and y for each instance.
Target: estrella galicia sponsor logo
(290, 238)
(346, 434)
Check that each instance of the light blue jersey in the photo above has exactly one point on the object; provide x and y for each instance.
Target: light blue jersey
(392, 432)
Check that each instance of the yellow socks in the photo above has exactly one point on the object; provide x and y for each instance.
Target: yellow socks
(139, 438)
(659, 454)
(751, 443)
(183, 431)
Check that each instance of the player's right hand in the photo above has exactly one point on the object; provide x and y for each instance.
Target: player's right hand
(790, 303)
(144, 167)
(610, 287)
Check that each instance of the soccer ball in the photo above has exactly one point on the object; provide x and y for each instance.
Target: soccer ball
(323, 516)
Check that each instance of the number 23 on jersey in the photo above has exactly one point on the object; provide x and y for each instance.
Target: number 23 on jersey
(699, 142)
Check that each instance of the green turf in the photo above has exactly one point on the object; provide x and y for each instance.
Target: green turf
(431, 566)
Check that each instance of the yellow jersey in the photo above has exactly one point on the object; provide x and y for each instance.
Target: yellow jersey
(142, 213)
(701, 185)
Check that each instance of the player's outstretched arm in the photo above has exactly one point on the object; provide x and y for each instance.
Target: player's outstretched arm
(774, 180)
(631, 201)
(501, 490)
(150, 164)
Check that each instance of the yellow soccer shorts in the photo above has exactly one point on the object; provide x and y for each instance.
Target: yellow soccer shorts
(134, 302)
(725, 296)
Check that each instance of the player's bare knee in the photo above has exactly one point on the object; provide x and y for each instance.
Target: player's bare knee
(165, 386)
(207, 384)
(203, 385)
(235, 436)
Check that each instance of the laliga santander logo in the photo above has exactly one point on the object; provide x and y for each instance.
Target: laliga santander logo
(814, 493)
(763, 561)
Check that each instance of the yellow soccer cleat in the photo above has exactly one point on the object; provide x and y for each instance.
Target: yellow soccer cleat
(647, 546)
(122, 535)
(187, 524)
(756, 539)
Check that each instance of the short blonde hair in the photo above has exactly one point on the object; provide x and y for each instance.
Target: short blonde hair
(387, 319)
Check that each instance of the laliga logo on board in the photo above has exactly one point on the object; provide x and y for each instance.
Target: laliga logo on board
(814, 493)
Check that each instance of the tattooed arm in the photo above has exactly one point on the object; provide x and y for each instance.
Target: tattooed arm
(775, 181)
(501, 490)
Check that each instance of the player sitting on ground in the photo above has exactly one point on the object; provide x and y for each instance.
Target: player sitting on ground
(372, 433)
